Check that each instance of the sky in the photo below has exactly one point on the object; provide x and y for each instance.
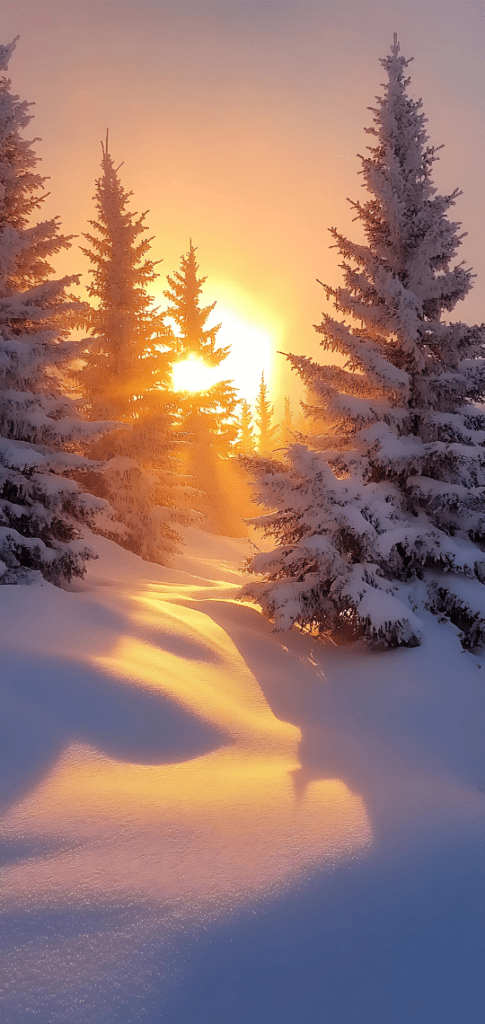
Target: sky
(238, 125)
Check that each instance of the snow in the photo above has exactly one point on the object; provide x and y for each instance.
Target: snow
(206, 821)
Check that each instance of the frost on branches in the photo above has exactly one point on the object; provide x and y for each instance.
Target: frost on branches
(40, 508)
(385, 514)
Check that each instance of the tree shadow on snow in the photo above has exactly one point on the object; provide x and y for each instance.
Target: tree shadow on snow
(47, 704)
(386, 723)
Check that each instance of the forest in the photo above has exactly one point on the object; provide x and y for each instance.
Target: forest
(374, 497)
(120, 402)
(243, 642)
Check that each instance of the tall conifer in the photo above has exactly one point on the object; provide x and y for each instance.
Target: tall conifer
(40, 429)
(385, 514)
(127, 371)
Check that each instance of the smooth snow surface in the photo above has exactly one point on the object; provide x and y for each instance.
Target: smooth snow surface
(205, 822)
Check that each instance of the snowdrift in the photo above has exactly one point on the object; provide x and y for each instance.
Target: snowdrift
(177, 780)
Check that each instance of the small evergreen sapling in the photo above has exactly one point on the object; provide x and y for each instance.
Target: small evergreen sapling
(385, 513)
(245, 441)
(41, 510)
(287, 427)
(264, 412)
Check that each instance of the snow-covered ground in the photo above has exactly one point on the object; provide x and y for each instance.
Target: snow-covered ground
(204, 822)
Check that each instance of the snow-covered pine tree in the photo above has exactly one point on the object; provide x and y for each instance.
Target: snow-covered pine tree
(264, 412)
(41, 510)
(385, 513)
(207, 417)
(127, 374)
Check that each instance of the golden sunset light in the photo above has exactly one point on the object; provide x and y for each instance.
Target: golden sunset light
(252, 350)
(242, 512)
(193, 375)
(251, 354)
(243, 789)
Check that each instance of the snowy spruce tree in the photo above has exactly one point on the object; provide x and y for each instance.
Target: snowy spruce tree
(127, 375)
(41, 509)
(384, 514)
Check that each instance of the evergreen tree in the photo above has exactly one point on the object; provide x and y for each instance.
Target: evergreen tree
(264, 417)
(125, 363)
(127, 373)
(207, 417)
(384, 514)
(287, 428)
(41, 510)
(194, 337)
(245, 441)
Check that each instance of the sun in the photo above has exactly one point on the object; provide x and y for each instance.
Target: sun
(193, 375)
(251, 354)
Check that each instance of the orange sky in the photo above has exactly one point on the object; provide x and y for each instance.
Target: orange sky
(238, 124)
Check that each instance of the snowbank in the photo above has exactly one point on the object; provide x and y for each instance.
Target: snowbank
(181, 786)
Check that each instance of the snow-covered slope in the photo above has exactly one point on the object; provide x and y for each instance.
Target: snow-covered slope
(206, 821)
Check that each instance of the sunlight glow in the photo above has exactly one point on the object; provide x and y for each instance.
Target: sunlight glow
(251, 354)
(194, 375)
(247, 806)
(166, 826)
